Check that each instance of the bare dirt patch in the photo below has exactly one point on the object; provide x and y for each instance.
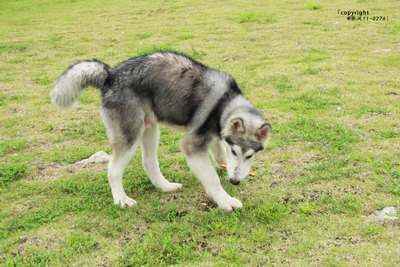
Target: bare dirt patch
(46, 171)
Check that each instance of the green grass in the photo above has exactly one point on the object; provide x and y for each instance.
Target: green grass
(330, 94)
(2, 99)
(251, 17)
(313, 6)
(12, 145)
(11, 172)
(281, 83)
(13, 47)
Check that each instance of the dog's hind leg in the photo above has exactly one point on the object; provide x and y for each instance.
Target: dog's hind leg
(150, 140)
(124, 129)
(119, 159)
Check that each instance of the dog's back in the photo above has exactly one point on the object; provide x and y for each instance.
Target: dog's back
(176, 88)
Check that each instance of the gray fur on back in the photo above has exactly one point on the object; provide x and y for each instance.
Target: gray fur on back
(169, 84)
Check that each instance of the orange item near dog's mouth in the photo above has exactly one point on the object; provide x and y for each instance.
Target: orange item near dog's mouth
(223, 166)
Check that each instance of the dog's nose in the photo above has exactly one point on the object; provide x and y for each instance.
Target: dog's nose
(234, 181)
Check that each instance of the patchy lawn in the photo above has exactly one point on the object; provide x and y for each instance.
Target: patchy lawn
(329, 86)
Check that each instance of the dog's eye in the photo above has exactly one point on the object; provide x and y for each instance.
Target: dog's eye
(234, 153)
(249, 157)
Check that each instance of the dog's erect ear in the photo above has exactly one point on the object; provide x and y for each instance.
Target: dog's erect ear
(236, 125)
(264, 132)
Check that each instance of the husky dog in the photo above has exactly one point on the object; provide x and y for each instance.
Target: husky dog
(170, 88)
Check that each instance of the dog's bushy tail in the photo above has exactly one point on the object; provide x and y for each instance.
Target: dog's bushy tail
(77, 77)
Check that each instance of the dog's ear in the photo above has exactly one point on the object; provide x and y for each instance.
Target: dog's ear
(236, 126)
(264, 132)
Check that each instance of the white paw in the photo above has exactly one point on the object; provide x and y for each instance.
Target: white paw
(228, 203)
(125, 201)
(170, 187)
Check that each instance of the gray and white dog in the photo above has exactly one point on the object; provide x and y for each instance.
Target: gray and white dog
(170, 88)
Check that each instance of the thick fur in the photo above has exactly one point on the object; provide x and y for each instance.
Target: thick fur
(170, 88)
(72, 82)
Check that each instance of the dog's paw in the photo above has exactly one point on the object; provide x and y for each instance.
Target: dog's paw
(228, 203)
(125, 201)
(170, 187)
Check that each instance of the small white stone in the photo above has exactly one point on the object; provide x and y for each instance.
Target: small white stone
(98, 157)
(386, 215)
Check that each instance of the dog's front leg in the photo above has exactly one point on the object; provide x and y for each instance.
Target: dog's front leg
(201, 166)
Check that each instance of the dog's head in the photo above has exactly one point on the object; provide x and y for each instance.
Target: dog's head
(243, 137)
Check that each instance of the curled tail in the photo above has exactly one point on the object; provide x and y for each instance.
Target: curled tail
(77, 77)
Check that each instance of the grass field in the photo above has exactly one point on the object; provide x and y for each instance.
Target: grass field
(330, 87)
